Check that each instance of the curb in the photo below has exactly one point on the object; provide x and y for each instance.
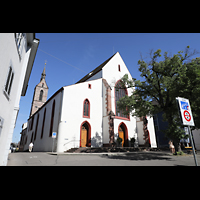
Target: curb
(106, 153)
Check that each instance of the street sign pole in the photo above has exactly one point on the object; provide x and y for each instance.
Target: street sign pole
(53, 145)
(192, 146)
(53, 137)
(186, 118)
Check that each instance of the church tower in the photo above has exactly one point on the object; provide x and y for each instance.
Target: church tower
(40, 93)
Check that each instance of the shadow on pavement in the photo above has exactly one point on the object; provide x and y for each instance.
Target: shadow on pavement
(139, 156)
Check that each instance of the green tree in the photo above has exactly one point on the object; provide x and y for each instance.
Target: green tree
(164, 81)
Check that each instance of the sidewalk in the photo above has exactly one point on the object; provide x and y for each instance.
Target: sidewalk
(113, 153)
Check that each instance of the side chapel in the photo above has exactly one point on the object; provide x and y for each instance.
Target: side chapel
(85, 114)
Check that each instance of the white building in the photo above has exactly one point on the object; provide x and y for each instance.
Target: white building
(85, 114)
(196, 136)
(17, 54)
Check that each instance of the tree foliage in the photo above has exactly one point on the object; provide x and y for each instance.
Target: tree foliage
(173, 76)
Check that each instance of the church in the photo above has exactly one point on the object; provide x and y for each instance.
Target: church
(85, 114)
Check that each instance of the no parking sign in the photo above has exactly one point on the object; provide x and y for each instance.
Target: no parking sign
(185, 111)
(187, 119)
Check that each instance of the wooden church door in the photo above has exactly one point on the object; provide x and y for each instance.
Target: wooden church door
(121, 135)
(83, 136)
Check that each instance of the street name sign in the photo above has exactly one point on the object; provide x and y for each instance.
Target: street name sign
(185, 111)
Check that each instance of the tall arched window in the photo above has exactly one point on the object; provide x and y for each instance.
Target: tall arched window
(41, 95)
(86, 108)
(36, 126)
(52, 119)
(119, 93)
(44, 116)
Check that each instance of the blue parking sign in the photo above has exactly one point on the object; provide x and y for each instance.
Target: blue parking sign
(54, 135)
(184, 105)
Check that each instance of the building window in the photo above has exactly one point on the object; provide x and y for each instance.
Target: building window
(52, 119)
(89, 86)
(41, 95)
(32, 136)
(26, 139)
(119, 69)
(86, 108)
(36, 127)
(156, 124)
(9, 82)
(43, 123)
(20, 39)
(119, 93)
(30, 123)
(1, 125)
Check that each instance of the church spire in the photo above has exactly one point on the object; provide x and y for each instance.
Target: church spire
(43, 73)
(40, 93)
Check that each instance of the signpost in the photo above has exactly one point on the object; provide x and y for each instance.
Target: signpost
(53, 136)
(187, 118)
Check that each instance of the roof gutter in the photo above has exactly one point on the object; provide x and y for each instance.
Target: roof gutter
(33, 52)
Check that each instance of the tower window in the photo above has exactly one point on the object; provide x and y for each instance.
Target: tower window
(89, 86)
(41, 95)
(119, 69)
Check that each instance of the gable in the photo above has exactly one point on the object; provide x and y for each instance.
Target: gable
(108, 70)
(95, 71)
(115, 69)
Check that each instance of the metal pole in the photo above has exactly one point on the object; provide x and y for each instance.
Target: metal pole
(52, 145)
(192, 146)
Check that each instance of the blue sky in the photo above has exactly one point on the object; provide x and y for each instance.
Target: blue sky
(70, 56)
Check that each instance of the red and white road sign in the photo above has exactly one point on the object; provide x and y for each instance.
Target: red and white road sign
(185, 111)
(187, 115)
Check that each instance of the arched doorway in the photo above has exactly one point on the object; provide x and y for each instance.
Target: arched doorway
(85, 134)
(123, 133)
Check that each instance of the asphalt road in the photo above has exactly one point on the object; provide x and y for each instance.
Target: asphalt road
(113, 159)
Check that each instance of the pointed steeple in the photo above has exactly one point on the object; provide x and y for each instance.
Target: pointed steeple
(40, 93)
(43, 73)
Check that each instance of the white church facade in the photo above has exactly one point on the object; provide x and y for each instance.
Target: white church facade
(85, 114)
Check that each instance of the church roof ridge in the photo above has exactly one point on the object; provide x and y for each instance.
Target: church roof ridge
(96, 70)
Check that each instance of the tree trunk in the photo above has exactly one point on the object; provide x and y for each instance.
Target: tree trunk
(176, 141)
(177, 146)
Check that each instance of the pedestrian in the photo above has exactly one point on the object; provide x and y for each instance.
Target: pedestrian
(30, 147)
(171, 146)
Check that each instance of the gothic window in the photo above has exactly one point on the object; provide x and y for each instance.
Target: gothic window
(44, 116)
(9, 82)
(41, 95)
(86, 108)
(119, 93)
(32, 121)
(52, 119)
(32, 136)
(36, 127)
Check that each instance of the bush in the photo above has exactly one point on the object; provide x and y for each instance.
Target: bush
(178, 153)
(119, 140)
